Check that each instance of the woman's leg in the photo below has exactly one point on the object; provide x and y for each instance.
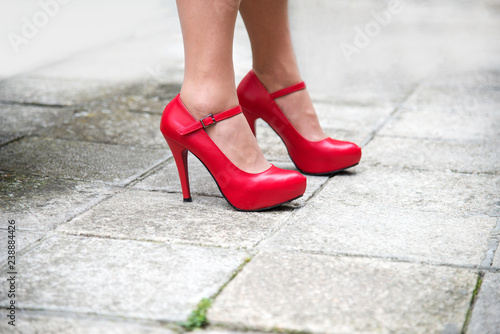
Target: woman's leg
(208, 86)
(274, 61)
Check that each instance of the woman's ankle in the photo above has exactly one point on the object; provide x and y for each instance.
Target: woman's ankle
(204, 99)
(278, 77)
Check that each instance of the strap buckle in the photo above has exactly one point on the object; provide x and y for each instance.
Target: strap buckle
(209, 116)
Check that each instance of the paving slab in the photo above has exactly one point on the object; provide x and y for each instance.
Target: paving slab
(93, 275)
(202, 183)
(150, 96)
(317, 293)
(496, 259)
(41, 203)
(354, 118)
(58, 92)
(496, 235)
(69, 323)
(8, 138)
(485, 317)
(59, 158)
(478, 125)
(459, 105)
(395, 214)
(359, 86)
(270, 143)
(425, 154)
(129, 60)
(159, 216)
(166, 179)
(455, 194)
(111, 127)
(459, 91)
(386, 232)
(23, 240)
(19, 120)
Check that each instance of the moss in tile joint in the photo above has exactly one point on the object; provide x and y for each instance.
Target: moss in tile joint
(472, 302)
(198, 318)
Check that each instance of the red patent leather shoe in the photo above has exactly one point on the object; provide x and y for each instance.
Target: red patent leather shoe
(322, 157)
(244, 191)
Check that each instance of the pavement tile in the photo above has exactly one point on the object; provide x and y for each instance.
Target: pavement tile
(441, 192)
(158, 55)
(485, 317)
(496, 259)
(396, 214)
(352, 118)
(79, 160)
(202, 183)
(53, 91)
(50, 323)
(461, 105)
(21, 119)
(386, 232)
(150, 97)
(270, 143)
(167, 179)
(41, 203)
(459, 91)
(8, 138)
(360, 86)
(344, 295)
(122, 128)
(445, 125)
(23, 239)
(425, 154)
(93, 275)
(158, 216)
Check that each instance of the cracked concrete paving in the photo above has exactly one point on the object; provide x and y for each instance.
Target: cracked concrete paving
(406, 242)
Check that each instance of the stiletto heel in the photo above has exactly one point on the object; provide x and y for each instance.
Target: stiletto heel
(244, 191)
(251, 119)
(322, 157)
(180, 156)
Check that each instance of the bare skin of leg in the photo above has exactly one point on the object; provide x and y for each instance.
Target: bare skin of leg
(209, 86)
(274, 62)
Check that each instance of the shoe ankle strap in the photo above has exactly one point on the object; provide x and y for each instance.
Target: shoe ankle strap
(210, 119)
(289, 90)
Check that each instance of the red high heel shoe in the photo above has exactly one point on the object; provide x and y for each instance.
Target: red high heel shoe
(244, 191)
(322, 157)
